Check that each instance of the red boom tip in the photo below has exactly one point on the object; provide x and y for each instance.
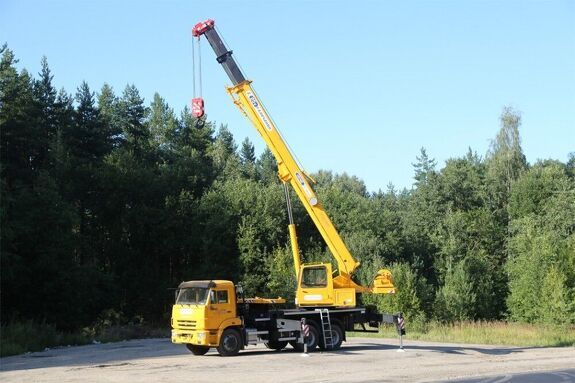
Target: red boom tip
(201, 28)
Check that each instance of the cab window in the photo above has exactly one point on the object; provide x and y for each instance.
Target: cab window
(218, 296)
(222, 296)
(314, 277)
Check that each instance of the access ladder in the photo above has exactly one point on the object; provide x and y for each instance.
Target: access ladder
(326, 328)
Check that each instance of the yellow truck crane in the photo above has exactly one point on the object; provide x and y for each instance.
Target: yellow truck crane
(215, 313)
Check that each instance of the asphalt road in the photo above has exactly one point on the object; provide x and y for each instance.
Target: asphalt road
(365, 360)
(533, 377)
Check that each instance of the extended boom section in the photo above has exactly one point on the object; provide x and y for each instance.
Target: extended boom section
(316, 286)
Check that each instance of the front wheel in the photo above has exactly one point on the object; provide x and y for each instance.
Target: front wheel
(197, 350)
(230, 343)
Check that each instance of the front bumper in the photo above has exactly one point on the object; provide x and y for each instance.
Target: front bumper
(199, 338)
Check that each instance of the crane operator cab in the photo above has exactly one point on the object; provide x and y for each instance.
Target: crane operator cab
(317, 288)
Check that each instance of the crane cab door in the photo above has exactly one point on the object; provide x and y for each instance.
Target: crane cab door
(315, 285)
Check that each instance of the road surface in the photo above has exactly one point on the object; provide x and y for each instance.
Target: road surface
(365, 360)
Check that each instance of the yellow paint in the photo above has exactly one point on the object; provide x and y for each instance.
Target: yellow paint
(245, 98)
(204, 324)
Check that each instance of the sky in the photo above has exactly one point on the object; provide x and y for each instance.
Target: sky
(354, 86)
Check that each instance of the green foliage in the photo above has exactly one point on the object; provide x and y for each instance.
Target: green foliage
(106, 202)
(282, 280)
(456, 298)
(19, 337)
(540, 274)
(557, 300)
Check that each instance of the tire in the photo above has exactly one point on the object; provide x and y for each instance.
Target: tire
(336, 338)
(230, 343)
(312, 340)
(197, 350)
(276, 345)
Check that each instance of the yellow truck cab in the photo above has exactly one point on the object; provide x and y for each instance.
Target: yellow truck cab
(201, 313)
(210, 314)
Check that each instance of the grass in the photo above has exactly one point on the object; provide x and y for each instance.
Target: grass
(28, 336)
(496, 333)
(20, 337)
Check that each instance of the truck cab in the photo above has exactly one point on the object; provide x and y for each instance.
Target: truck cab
(202, 312)
(210, 314)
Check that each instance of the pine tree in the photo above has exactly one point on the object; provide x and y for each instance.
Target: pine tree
(45, 94)
(248, 159)
(424, 167)
(267, 167)
(132, 113)
(108, 105)
(91, 138)
(162, 124)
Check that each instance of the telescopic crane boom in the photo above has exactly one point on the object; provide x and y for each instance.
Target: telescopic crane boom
(316, 286)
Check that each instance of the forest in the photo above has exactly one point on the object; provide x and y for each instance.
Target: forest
(109, 202)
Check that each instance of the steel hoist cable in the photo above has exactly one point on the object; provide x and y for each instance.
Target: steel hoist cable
(193, 68)
(197, 101)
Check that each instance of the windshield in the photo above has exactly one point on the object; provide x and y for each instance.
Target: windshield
(314, 277)
(192, 296)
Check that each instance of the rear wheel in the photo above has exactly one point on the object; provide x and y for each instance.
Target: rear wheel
(197, 350)
(230, 343)
(336, 338)
(312, 340)
(276, 345)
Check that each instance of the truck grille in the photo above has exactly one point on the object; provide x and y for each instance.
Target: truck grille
(187, 324)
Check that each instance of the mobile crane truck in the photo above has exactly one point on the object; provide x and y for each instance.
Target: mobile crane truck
(214, 313)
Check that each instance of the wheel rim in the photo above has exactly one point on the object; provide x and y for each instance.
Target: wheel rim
(334, 338)
(230, 343)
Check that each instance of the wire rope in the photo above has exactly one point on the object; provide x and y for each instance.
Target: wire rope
(193, 68)
(200, 65)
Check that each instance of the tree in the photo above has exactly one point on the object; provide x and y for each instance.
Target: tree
(247, 152)
(505, 160)
(132, 113)
(424, 167)
(162, 123)
(224, 156)
(267, 168)
(109, 107)
(23, 142)
(90, 139)
(45, 95)
(557, 305)
(456, 299)
(248, 159)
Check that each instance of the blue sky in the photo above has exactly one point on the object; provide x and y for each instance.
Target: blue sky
(354, 86)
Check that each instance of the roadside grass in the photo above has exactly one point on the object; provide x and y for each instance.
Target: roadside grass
(495, 333)
(28, 336)
(20, 337)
